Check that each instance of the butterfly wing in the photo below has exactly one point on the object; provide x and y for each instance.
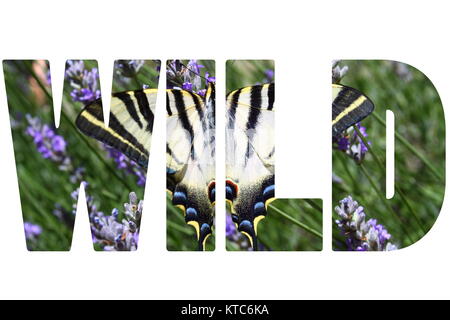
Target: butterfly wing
(130, 123)
(250, 151)
(348, 108)
(191, 157)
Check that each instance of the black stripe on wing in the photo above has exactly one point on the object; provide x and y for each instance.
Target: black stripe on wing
(144, 108)
(182, 115)
(271, 94)
(234, 96)
(91, 122)
(125, 97)
(348, 108)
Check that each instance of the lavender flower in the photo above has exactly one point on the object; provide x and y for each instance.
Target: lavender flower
(50, 145)
(209, 78)
(235, 236)
(201, 92)
(32, 231)
(77, 175)
(361, 235)
(231, 230)
(270, 74)
(48, 78)
(352, 144)
(193, 74)
(337, 72)
(84, 82)
(53, 147)
(115, 235)
(90, 203)
(112, 234)
(194, 66)
(129, 166)
(133, 209)
(188, 77)
(187, 86)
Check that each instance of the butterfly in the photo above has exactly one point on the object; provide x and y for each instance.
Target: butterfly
(190, 148)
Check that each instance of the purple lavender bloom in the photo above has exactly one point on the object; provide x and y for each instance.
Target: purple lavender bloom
(338, 72)
(269, 75)
(209, 78)
(363, 131)
(84, 95)
(48, 143)
(235, 237)
(32, 231)
(351, 143)
(194, 66)
(361, 235)
(141, 176)
(187, 86)
(59, 144)
(48, 78)
(343, 143)
(119, 158)
(77, 175)
(115, 235)
(381, 232)
(192, 75)
(230, 227)
(84, 82)
(129, 166)
(74, 70)
(188, 77)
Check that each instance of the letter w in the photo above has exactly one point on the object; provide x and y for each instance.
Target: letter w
(109, 161)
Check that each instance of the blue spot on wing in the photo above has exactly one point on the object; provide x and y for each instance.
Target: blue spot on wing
(179, 197)
(191, 214)
(259, 208)
(269, 191)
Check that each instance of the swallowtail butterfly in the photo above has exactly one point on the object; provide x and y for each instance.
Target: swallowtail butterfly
(250, 180)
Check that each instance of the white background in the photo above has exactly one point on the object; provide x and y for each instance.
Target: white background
(302, 39)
